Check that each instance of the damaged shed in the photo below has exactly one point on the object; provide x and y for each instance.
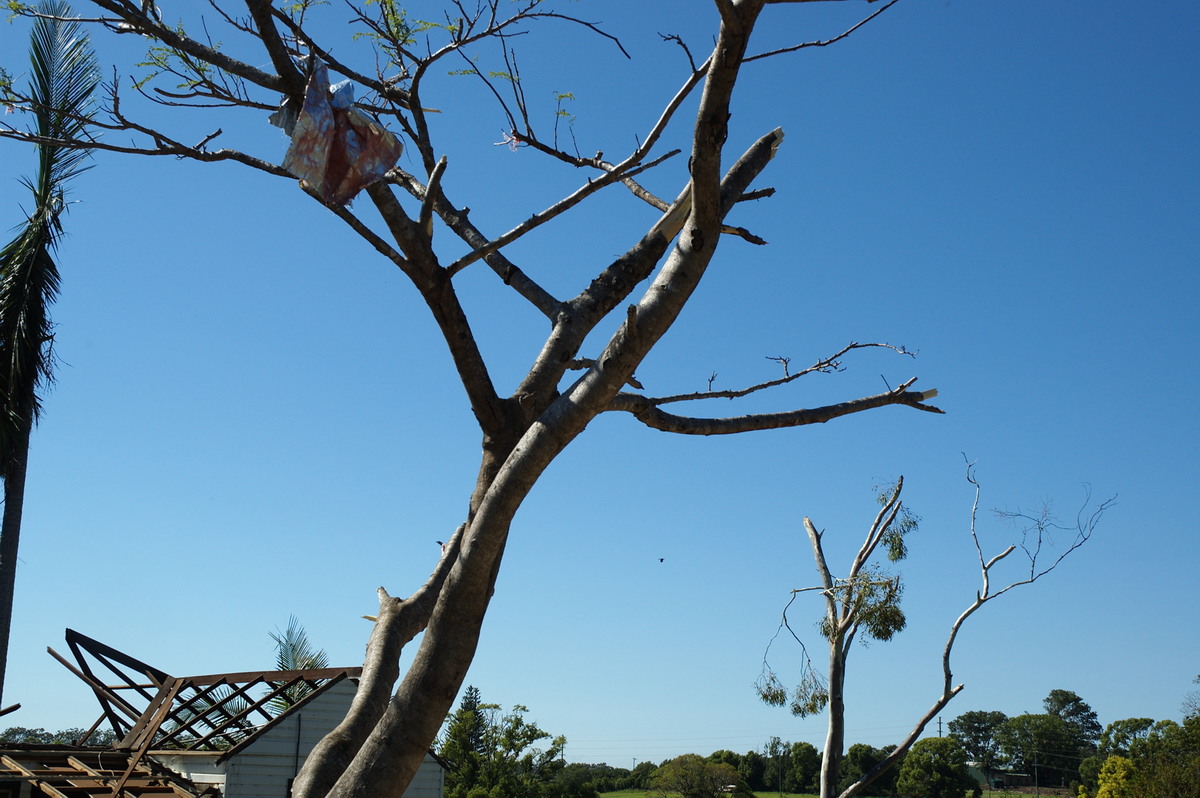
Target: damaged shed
(230, 735)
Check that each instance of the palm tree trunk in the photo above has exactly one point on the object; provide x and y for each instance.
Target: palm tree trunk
(10, 538)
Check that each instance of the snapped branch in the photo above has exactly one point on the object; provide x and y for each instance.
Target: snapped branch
(397, 623)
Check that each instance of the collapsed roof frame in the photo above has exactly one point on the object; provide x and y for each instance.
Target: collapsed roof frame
(149, 709)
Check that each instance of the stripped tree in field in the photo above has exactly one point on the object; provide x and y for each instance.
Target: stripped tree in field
(866, 604)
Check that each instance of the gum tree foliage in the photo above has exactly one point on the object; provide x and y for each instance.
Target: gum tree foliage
(759, 770)
(251, 58)
(866, 600)
(1167, 761)
(752, 770)
(1119, 736)
(692, 776)
(861, 759)
(639, 777)
(1077, 714)
(72, 736)
(1042, 745)
(805, 772)
(775, 755)
(62, 81)
(863, 605)
(935, 767)
(976, 732)
(582, 780)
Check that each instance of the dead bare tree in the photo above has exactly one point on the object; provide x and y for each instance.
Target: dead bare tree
(867, 601)
(272, 61)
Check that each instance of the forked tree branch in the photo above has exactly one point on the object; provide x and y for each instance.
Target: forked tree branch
(460, 224)
(397, 623)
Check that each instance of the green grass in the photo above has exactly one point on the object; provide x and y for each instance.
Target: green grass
(986, 794)
(647, 793)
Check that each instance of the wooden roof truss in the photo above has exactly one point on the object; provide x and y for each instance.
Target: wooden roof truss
(150, 710)
(66, 772)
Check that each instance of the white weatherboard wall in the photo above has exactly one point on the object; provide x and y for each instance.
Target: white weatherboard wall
(265, 768)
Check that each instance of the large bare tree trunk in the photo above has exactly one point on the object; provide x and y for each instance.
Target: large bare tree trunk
(395, 748)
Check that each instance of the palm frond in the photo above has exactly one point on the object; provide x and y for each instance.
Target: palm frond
(63, 80)
(294, 652)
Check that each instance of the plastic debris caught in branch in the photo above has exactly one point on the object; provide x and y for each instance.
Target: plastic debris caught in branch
(336, 149)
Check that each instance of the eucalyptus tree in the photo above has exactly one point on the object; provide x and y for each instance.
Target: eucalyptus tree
(976, 732)
(865, 603)
(936, 767)
(62, 81)
(1191, 702)
(1043, 745)
(862, 605)
(1077, 714)
(277, 60)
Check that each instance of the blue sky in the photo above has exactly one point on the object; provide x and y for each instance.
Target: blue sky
(254, 417)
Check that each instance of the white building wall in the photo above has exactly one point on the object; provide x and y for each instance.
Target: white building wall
(265, 768)
(202, 769)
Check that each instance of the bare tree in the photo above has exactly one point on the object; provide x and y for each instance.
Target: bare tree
(867, 601)
(1191, 702)
(271, 61)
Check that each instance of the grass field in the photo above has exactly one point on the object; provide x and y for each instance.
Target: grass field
(651, 794)
(986, 794)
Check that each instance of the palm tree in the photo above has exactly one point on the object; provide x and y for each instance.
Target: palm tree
(63, 80)
(293, 652)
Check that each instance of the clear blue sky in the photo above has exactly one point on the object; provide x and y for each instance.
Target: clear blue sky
(254, 417)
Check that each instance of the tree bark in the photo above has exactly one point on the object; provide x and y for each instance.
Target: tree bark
(835, 737)
(10, 538)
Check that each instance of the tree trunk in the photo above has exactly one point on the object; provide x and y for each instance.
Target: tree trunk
(835, 738)
(10, 537)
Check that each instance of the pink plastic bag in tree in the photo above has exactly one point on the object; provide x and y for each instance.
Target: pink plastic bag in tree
(336, 149)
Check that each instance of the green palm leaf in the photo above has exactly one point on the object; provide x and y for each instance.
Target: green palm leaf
(294, 652)
(63, 79)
